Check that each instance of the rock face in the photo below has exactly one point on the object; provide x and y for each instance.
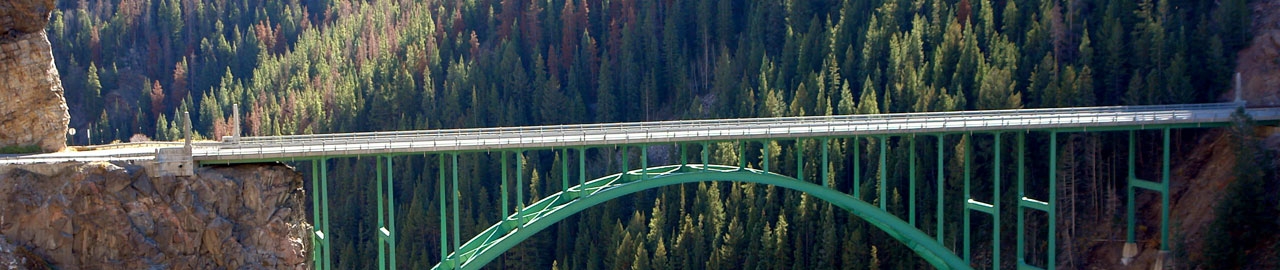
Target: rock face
(32, 108)
(114, 216)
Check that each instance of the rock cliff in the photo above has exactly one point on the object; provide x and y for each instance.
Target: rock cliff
(32, 108)
(115, 216)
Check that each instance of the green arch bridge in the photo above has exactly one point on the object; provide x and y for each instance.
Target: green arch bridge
(523, 219)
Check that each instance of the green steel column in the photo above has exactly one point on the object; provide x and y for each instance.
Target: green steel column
(519, 187)
(706, 155)
(742, 155)
(644, 162)
(911, 177)
(1164, 195)
(884, 203)
(800, 159)
(457, 240)
(1133, 138)
(684, 157)
(824, 144)
(626, 154)
(995, 213)
(505, 213)
(857, 167)
(940, 189)
(391, 216)
(324, 216)
(444, 230)
(968, 159)
(582, 165)
(316, 253)
(1021, 194)
(1053, 200)
(382, 240)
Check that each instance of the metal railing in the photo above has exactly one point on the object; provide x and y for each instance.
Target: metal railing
(719, 129)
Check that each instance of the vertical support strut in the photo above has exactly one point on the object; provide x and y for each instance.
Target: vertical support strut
(1053, 201)
(324, 215)
(968, 159)
(1130, 246)
(911, 177)
(505, 214)
(1022, 197)
(318, 238)
(941, 188)
(1164, 194)
(391, 216)
(742, 155)
(857, 168)
(825, 145)
(995, 205)
(457, 240)
(884, 203)
(582, 165)
(382, 240)
(519, 187)
(644, 162)
(684, 157)
(706, 155)
(626, 154)
(444, 230)
(800, 160)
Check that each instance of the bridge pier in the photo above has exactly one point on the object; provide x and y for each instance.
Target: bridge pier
(386, 214)
(1131, 247)
(320, 254)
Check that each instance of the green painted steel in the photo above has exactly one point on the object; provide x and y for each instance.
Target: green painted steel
(520, 181)
(1053, 201)
(995, 205)
(884, 142)
(444, 230)
(1133, 140)
(799, 159)
(941, 188)
(1164, 193)
(911, 178)
(382, 248)
(857, 168)
(825, 144)
(542, 214)
(706, 154)
(968, 159)
(503, 157)
(324, 215)
(456, 238)
(391, 216)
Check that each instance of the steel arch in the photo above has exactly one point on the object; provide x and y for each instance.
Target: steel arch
(501, 237)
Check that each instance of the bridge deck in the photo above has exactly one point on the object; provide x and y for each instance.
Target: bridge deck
(484, 139)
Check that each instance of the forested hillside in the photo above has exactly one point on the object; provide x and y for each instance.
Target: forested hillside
(298, 67)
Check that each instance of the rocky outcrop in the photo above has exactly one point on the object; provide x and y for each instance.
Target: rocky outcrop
(115, 216)
(32, 108)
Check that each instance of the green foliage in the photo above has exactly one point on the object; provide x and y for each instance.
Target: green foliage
(20, 149)
(1244, 211)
